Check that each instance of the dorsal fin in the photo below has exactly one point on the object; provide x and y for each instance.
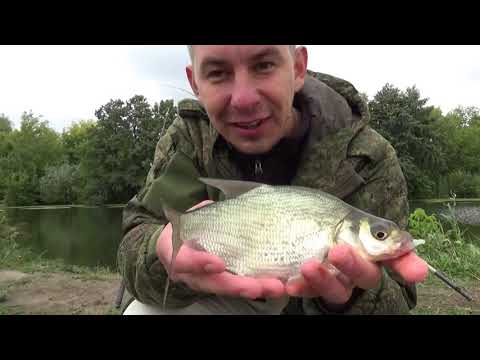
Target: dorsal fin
(231, 188)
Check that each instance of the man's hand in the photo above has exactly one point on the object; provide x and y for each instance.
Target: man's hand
(354, 271)
(205, 272)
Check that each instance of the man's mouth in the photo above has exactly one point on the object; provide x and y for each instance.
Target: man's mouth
(250, 125)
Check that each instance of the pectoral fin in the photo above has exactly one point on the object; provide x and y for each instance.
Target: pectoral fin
(175, 219)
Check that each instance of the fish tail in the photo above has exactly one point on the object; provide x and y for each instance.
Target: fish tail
(174, 217)
(165, 293)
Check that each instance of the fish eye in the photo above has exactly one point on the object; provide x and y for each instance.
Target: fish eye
(379, 232)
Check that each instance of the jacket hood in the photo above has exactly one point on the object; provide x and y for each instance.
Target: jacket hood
(337, 113)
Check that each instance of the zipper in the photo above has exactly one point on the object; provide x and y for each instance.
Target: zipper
(258, 169)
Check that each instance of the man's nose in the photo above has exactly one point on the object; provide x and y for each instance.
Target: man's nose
(245, 94)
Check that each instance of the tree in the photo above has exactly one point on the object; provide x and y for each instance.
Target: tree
(468, 115)
(404, 119)
(58, 185)
(30, 150)
(5, 151)
(121, 147)
(75, 140)
(5, 124)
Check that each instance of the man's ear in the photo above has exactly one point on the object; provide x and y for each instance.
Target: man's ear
(191, 79)
(300, 66)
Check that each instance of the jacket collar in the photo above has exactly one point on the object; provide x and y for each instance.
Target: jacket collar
(336, 113)
(336, 118)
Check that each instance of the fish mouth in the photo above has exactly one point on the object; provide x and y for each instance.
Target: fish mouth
(407, 244)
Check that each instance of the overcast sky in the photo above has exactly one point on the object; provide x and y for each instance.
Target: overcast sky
(68, 83)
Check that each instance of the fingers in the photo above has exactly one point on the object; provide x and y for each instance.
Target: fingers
(198, 263)
(227, 284)
(189, 260)
(336, 286)
(272, 288)
(205, 272)
(410, 267)
(361, 272)
(299, 287)
(319, 281)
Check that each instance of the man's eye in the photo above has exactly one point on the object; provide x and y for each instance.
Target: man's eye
(216, 75)
(264, 66)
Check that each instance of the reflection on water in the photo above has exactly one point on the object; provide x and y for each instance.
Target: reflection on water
(90, 235)
(80, 235)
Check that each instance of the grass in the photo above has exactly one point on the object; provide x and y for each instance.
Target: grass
(446, 248)
(16, 257)
(3, 295)
(442, 200)
(441, 311)
(5, 310)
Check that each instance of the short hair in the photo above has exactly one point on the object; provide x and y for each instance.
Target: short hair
(190, 50)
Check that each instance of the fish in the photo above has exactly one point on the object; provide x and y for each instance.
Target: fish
(263, 230)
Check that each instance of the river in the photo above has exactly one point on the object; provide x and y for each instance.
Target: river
(90, 236)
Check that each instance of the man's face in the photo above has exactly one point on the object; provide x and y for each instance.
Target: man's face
(248, 90)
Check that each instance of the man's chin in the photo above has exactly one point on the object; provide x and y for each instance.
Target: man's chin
(252, 148)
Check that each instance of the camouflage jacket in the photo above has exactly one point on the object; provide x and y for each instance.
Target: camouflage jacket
(341, 155)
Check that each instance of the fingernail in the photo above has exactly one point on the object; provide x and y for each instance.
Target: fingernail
(344, 260)
(209, 268)
(333, 270)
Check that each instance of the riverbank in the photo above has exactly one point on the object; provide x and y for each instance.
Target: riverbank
(58, 293)
(67, 293)
(33, 284)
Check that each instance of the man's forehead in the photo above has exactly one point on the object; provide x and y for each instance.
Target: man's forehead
(201, 52)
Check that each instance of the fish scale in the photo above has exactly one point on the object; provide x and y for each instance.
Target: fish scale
(271, 230)
(265, 231)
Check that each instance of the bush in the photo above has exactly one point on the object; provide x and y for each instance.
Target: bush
(464, 184)
(21, 189)
(59, 183)
(445, 246)
(11, 253)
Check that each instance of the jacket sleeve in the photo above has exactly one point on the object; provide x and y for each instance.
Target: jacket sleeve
(384, 194)
(170, 181)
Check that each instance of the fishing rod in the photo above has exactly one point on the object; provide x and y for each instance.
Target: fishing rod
(447, 281)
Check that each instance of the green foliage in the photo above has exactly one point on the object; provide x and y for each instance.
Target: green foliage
(422, 225)
(5, 124)
(432, 148)
(22, 187)
(60, 184)
(463, 184)
(75, 140)
(469, 116)
(24, 157)
(460, 131)
(121, 147)
(445, 246)
(10, 251)
(107, 159)
(404, 119)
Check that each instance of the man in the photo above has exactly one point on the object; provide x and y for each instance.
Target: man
(261, 116)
